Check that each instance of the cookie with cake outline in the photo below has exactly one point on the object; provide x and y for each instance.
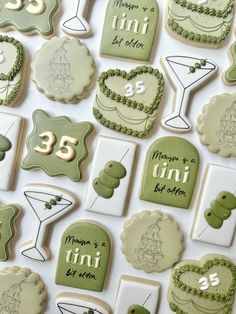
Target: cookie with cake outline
(28, 17)
(128, 102)
(216, 125)
(205, 286)
(63, 69)
(17, 287)
(129, 30)
(200, 23)
(57, 145)
(146, 240)
(48, 203)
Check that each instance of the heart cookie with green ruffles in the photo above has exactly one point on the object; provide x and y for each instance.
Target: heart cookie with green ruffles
(207, 286)
(128, 102)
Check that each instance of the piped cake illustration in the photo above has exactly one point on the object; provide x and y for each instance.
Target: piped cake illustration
(146, 239)
(12, 61)
(29, 16)
(128, 102)
(48, 204)
(216, 125)
(186, 72)
(203, 23)
(203, 287)
(215, 219)
(130, 29)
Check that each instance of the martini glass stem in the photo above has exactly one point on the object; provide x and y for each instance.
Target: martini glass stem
(77, 6)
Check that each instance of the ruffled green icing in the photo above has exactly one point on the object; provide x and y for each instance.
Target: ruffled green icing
(175, 308)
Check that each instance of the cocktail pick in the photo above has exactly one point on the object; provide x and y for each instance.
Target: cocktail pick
(139, 309)
(186, 73)
(77, 25)
(48, 203)
(220, 210)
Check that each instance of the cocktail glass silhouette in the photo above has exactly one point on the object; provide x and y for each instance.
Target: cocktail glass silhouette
(47, 206)
(67, 308)
(186, 73)
(77, 23)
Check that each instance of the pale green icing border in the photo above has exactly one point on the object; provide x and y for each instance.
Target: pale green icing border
(126, 101)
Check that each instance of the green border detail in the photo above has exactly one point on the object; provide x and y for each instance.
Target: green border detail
(129, 76)
(201, 271)
(205, 9)
(19, 60)
(177, 309)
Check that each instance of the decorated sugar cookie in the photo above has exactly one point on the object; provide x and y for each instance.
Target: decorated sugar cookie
(10, 136)
(76, 24)
(48, 204)
(229, 76)
(216, 210)
(129, 29)
(207, 286)
(216, 125)
(29, 16)
(8, 215)
(57, 145)
(128, 102)
(11, 69)
(84, 256)
(137, 295)
(203, 23)
(80, 304)
(63, 69)
(110, 176)
(147, 238)
(186, 72)
(170, 172)
(21, 291)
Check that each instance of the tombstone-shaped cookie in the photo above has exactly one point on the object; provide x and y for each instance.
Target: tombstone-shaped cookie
(170, 172)
(84, 256)
(129, 29)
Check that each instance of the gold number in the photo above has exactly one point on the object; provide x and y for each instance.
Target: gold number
(66, 152)
(49, 140)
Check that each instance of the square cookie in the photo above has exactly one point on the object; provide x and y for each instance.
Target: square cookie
(110, 176)
(217, 180)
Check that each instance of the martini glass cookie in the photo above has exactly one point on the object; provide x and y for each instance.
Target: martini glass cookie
(147, 238)
(202, 23)
(216, 125)
(28, 16)
(205, 286)
(12, 59)
(128, 102)
(63, 70)
(130, 29)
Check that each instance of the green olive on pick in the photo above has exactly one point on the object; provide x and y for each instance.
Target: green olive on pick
(5, 145)
(137, 309)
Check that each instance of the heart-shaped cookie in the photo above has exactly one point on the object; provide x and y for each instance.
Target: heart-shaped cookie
(213, 278)
(128, 102)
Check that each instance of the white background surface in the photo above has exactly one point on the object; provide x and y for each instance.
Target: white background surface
(83, 111)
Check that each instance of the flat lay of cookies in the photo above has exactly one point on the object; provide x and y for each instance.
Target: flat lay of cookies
(117, 157)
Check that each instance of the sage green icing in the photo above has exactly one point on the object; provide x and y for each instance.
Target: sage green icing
(170, 172)
(88, 269)
(220, 209)
(185, 295)
(147, 238)
(202, 24)
(101, 189)
(11, 68)
(21, 291)
(134, 115)
(5, 146)
(230, 74)
(109, 179)
(60, 127)
(216, 125)
(63, 69)
(137, 309)
(8, 214)
(26, 22)
(129, 29)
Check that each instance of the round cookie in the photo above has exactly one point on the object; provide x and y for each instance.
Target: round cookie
(63, 69)
(147, 238)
